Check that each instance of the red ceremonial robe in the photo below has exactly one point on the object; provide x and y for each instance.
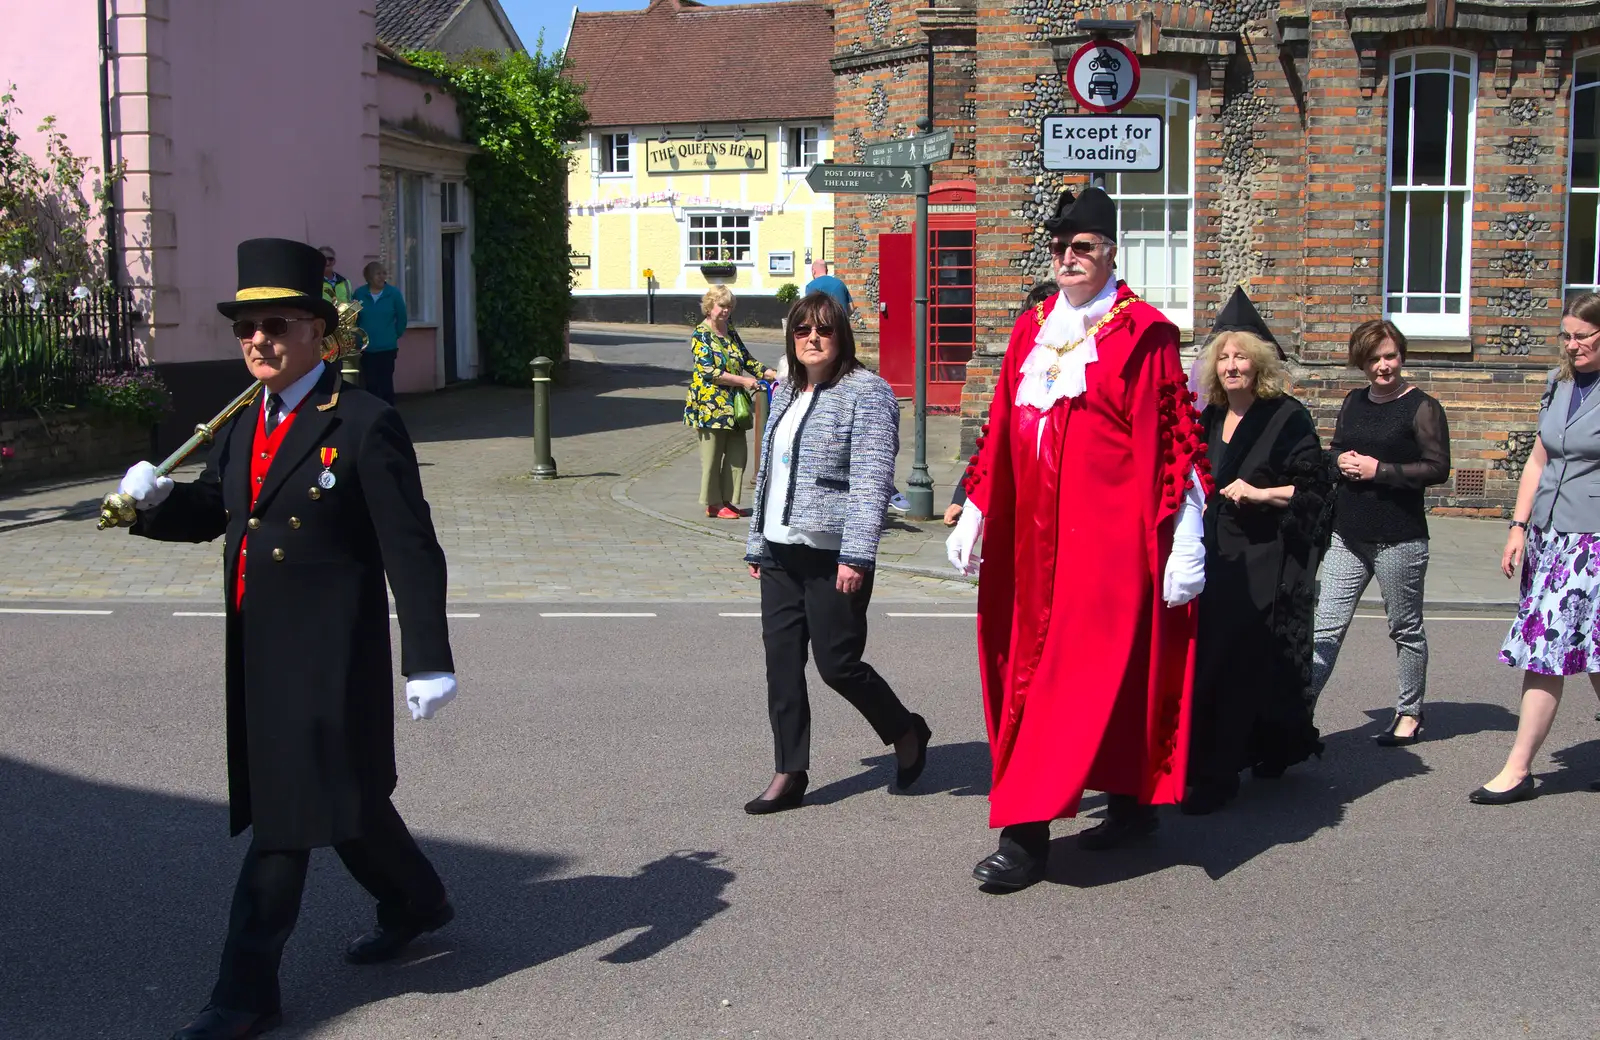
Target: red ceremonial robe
(1087, 674)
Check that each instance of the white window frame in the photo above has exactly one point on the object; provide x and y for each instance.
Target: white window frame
(421, 308)
(459, 221)
(1430, 325)
(688, 236)
(797, 164)
(1156, 85)
(1590, 195)
(606, 148)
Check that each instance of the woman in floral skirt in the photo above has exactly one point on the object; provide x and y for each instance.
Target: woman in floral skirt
(1554, 537)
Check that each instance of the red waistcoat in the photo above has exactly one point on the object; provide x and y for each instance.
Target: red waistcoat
(263, 448)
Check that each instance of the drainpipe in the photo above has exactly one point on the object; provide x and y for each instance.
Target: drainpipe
(931, 122)
(112, 225)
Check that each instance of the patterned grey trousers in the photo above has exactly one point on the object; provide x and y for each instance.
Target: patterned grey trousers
(1400, 569)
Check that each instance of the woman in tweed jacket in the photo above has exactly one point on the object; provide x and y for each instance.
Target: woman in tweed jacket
(826, 473)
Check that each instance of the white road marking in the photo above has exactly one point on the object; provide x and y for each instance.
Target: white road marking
(29, 610)
(1425, 617)
(593, 613)
(198, 613)
(737, 613)
(396, 617)
(891, 613)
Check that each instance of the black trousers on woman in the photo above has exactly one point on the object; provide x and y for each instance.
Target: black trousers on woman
(799, 605)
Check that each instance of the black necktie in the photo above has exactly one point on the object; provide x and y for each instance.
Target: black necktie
(274, 406)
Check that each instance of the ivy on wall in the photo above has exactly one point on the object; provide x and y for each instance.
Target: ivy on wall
(520, 113)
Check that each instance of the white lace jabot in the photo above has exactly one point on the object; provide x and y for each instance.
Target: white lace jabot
(1064, 324)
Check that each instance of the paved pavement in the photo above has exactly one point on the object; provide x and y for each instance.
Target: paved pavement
(582, 799)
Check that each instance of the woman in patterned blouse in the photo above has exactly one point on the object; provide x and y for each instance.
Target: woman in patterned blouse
(722, 368)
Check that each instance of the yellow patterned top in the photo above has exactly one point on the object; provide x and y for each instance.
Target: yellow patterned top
(710, 405)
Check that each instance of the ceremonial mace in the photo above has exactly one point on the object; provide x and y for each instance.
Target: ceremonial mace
(117, 509)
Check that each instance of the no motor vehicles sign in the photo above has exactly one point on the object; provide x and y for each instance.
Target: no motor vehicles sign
(1102, 143)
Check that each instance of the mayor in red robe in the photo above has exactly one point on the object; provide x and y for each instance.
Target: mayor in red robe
(1087, 491)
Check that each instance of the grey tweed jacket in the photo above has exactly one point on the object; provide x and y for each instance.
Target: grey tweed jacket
(843, 469)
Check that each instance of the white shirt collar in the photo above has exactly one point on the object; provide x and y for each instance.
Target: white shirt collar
(1040, 387)
(296, 391)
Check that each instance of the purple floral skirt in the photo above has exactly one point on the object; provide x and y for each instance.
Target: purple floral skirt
(1554, 633)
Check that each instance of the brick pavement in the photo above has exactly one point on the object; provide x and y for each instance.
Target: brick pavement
(507, 536)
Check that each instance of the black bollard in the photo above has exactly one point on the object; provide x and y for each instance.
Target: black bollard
(544, 466)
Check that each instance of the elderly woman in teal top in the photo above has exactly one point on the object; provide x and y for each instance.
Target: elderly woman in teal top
(722, 368)
(383, 319)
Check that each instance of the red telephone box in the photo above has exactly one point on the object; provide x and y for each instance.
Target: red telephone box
(952, 284)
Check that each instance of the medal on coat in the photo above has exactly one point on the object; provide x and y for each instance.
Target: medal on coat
(326, 479)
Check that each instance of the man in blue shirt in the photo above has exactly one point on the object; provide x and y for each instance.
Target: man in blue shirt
(822, 281)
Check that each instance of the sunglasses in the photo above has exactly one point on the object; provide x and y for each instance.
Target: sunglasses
(804, 331)
(1582, 337)
(1079, 246)
(274, 326)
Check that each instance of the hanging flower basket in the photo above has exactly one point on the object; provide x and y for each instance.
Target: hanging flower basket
(717, 270)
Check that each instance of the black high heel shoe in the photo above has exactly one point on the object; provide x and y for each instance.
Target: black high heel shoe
(1388, 739)
(793, 794)
(905, 776)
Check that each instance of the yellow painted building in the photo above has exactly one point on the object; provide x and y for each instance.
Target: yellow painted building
(695, 172)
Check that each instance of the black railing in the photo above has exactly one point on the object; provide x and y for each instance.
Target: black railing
(56, 346)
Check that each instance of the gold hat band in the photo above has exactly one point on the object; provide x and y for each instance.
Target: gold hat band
(264, 292)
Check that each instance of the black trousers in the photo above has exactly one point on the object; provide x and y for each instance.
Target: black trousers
(800, 605)
(266, 902)
(377, 373)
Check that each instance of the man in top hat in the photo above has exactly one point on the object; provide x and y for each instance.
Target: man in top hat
(315, 488)
(1087, 492)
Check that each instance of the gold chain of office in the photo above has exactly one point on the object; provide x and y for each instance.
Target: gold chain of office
(1054, 371)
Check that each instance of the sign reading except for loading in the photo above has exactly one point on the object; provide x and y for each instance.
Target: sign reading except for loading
(1101, 143)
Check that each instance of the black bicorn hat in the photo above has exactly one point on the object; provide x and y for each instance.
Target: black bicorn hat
(1240, 315)
(1093, 211)
(1056, 220)
(281, 271)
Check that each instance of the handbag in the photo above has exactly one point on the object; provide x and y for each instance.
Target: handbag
(744, 413)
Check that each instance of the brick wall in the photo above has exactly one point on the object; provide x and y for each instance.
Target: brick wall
(68, 444)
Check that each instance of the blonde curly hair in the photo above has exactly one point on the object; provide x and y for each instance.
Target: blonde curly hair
(1272, 379)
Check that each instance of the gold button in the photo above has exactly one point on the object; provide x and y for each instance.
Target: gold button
(244, 552)
(260, 479)
(315, 493)
(253, 523)
(264, 455)
(277, 554)
(294, 522)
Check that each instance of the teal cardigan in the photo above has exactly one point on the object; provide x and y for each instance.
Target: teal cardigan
(383, 319)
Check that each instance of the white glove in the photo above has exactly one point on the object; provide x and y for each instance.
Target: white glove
(143, 486)
(427, 692)
(1186, 567)
(958, 547)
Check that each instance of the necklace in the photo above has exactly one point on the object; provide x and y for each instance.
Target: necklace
(1054, 371)
(1377, 398)
(1581, 392)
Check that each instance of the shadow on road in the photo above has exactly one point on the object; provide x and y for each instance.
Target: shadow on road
(114, 905)
(958, 769)
(1580, 765)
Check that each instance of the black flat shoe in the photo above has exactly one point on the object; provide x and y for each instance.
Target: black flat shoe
(1010, 869)
(385, 942)
(905, 776)
(1120, 827)
(793, 794)
(1521, 793)
(220, 1023)
(1388, 739)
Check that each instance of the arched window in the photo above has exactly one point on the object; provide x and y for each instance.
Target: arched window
(1583, 178)
(1155, 209)
(1429, 230)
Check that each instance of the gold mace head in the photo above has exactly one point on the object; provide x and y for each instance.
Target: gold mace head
(347, 339)
(116, 510)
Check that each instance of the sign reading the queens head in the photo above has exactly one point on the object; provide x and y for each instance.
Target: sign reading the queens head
(712, 155)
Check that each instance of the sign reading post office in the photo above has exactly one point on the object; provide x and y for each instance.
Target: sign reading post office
(711, 155)
(1103, 144)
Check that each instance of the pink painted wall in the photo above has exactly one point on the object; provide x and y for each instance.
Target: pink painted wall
(401, 100)
(269, 137)
(415, 370)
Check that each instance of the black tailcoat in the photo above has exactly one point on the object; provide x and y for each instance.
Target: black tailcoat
(310, 686)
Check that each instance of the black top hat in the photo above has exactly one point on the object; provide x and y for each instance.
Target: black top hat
(281, 271)
(1053, 223)
(1093, 212)
(1240, 315)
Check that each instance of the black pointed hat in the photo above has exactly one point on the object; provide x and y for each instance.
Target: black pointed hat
(1055, 221)
(1240, 315)
(1093, 211)
(281, 271)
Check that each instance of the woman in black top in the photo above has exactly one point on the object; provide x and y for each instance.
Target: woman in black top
(1390, 442)
(1266, 526)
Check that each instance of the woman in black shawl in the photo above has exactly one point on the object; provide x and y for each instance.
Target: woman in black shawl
(1266, 526)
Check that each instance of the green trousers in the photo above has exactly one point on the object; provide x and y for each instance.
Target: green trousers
(723, 457)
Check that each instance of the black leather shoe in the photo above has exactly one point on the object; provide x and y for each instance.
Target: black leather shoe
(1010, 869)
(220, 1023)
(905, 776)
(1118, 829)
(791, 798)
(1522, 792)
(1388, 738)
(385, 942)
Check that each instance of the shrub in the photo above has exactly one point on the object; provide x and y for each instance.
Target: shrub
(788, 292)
(138, 396)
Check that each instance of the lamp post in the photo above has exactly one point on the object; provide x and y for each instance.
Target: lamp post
(919, 486)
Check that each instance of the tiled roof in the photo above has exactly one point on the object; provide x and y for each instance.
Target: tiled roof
(681, 62)
(412, 24)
